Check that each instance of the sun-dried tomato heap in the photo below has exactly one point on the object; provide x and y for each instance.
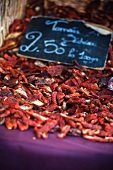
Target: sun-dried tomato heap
(52, 97)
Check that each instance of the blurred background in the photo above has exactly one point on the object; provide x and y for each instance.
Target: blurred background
(96, 11)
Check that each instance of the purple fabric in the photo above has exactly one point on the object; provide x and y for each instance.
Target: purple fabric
(18, 151)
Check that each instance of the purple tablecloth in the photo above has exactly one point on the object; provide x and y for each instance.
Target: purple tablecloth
(18, 151)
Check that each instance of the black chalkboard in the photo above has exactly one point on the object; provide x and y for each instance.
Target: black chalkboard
(54, 39)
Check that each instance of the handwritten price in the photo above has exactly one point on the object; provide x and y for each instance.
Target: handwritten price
(50, 46)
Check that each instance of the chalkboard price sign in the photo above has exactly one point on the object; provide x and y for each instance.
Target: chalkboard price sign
(53, 39)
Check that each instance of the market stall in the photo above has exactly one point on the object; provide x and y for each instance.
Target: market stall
(55, 115)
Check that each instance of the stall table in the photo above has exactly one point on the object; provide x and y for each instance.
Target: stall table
(22, 151)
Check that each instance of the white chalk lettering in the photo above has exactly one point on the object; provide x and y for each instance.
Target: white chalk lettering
(52, 47)
(61, 29)
(31, 36)
(71, 53)
(76, 40)
(87, 58)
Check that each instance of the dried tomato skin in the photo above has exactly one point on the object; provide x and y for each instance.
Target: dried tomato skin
(5, 92)
(55, 70)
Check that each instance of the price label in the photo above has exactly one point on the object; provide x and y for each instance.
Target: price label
(53, 39)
